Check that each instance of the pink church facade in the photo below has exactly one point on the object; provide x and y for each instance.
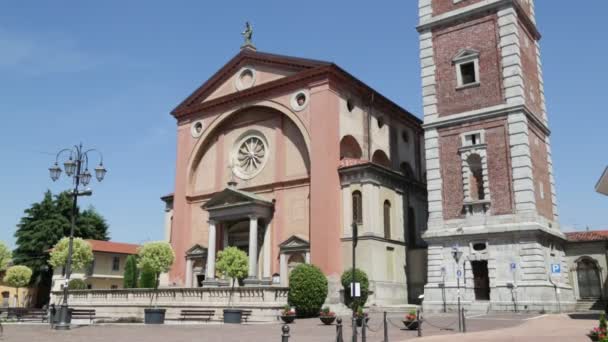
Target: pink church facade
(278, 156)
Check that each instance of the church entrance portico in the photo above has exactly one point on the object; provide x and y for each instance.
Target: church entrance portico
(242, 220)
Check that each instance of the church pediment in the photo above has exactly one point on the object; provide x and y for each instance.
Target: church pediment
(231, 196)
(246, 70)
(295, 242)
(196, 251)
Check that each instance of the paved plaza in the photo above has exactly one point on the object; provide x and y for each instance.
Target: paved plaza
(499, 327)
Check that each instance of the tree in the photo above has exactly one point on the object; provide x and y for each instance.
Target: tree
(130, 275)
(361, 278)
(232, 262)
(43, 225)
(5, 256)
(307, 290)
(157, 257)
(146, 279)
(18, 277)
(82, 254)
(77, 284)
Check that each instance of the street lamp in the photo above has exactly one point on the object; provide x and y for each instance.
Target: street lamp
(457, 254)
(77, 161)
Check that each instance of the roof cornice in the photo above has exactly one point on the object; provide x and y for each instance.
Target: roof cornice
(475, 9)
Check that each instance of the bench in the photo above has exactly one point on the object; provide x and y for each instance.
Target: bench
(197, 315)
(246, 315)
(22, 314)
(84, 314)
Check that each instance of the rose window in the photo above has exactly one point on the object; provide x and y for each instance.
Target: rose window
(250, 156)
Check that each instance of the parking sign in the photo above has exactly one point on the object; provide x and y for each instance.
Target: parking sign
(556, 268)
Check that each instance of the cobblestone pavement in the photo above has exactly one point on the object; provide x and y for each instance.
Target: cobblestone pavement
(507, 327)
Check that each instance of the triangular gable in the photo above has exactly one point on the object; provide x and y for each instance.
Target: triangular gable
(197, 250)
(222, 82)
(231, 196)
(295, 242)
(465, 54)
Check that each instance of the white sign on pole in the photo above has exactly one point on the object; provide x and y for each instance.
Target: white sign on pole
(355, 291)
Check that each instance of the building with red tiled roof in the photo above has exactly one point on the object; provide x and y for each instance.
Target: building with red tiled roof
(107, 269)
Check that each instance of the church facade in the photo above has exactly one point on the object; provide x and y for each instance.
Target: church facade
(278, 156)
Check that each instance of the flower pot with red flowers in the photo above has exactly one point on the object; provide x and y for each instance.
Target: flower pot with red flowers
(599, 333)
(327, 316)
(288, 314)
(411, 320)
(360, 316)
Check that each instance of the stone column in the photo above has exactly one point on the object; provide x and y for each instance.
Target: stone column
(283, 270)
(266, 275)
(252, 279)
(188, 272)
(210, 276)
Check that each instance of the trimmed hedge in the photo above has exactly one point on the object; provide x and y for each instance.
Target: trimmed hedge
(77, 284)
(307, 290)
(360, 277)
(147, 279)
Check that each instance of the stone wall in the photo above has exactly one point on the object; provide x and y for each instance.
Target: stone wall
(265, 302)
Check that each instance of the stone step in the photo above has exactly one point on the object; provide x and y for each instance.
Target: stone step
(590, 305)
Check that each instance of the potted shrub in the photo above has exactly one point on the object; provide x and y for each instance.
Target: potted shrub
(232, 262)
(157, 258)
(307, 290)
(327, 316)
(411, 320)
(360, 316)
(362, 279)
(288, 314)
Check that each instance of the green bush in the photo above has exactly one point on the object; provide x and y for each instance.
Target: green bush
(131, 273)
(360, 277)
(77, 284)
(307, 290)
(147, 279)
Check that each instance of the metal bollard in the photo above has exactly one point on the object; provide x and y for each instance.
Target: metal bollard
(363, 330)
(464, 326)
(339, 337)
(385, 328)
(285, 336)
(354, 329)
(419, 322)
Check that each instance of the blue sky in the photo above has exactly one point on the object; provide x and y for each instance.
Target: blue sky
(107, 73)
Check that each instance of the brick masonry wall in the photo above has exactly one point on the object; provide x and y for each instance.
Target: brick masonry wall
(540, 170)
(443, 6)
(481, 35)
(530, 72)
(496, 134)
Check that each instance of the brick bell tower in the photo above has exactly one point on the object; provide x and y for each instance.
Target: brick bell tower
(490, 180)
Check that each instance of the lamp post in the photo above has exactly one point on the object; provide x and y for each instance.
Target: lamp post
(456, 254)
(78, 159)
(352, 285)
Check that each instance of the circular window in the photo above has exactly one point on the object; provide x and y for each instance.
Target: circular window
(250, 155)
(245, 78)
(197, 129)
(480, 246)
(299, 100)
(380, 121)
(405, 136)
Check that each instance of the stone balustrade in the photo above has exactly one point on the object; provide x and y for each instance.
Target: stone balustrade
(265, 301)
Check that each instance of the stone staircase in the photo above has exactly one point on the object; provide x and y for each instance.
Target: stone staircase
(587, 305)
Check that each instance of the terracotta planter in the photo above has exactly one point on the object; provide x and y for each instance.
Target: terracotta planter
(411, 325)
(288, 319)
(327, 320)
(594, 338)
